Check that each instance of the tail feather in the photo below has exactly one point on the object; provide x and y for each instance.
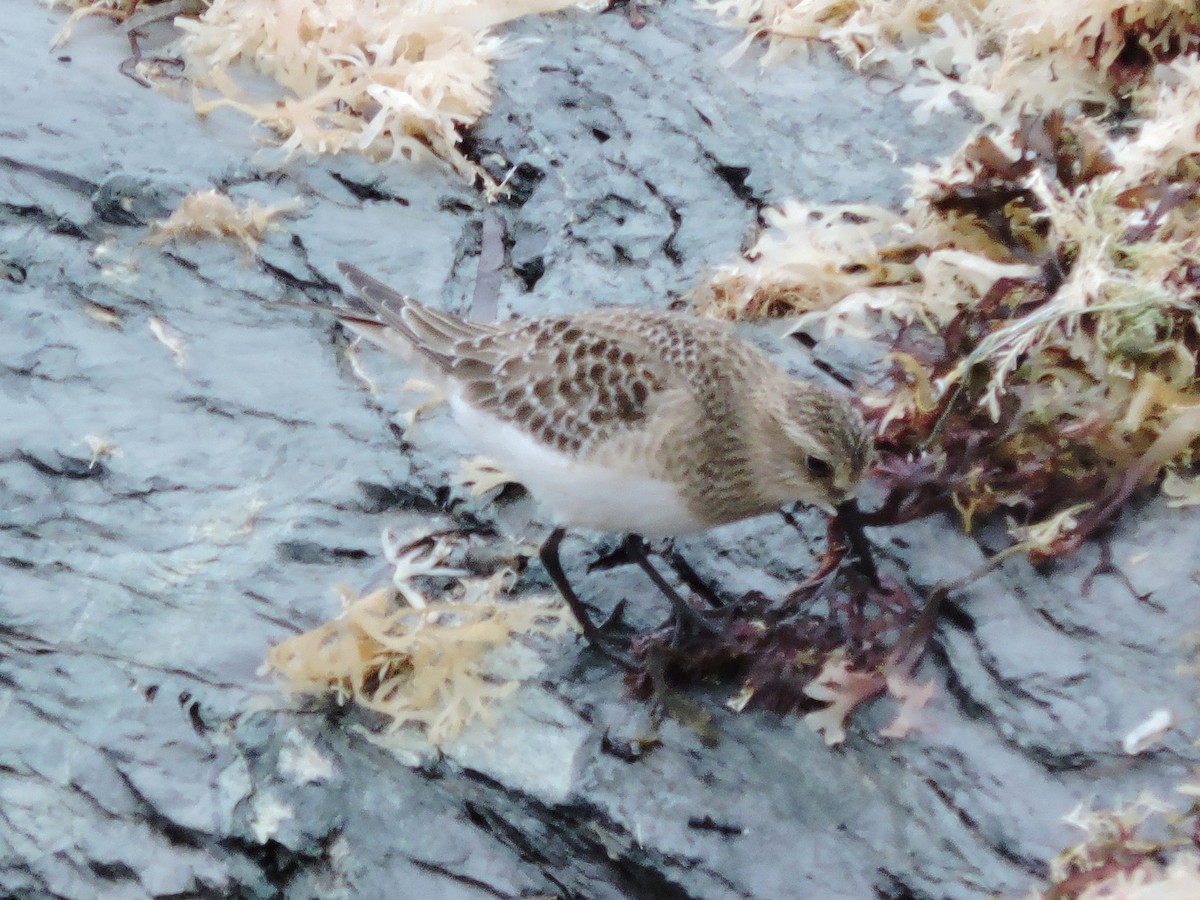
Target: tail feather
(387, 305)
(431, 332)
(450, 328)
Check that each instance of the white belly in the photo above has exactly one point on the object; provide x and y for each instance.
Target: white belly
(579, 494)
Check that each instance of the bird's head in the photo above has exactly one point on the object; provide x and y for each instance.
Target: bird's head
(818, 446)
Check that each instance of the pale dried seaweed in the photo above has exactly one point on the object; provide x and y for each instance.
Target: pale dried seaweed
(1086, 371)
(859, 29)
(117, 10)
(388, 78)
(842, 688)
(1144, 850)
(1040, 300)
(1039, 303)
(435, 666)
(809, 257)
(169, 338)
(1181, 491)
(1179, 879)
(213, 215)
(1000, 57)
(392, 79)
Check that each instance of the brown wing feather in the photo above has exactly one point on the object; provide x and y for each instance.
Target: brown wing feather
(566, 383)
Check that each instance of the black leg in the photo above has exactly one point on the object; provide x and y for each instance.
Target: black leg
(621, 556)
(550, 561)
(686, 615)
(694, 582)
(850, 519)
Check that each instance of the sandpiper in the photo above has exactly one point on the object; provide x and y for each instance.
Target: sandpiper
(628, 420)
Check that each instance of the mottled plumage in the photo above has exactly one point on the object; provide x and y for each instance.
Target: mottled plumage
(630, 420)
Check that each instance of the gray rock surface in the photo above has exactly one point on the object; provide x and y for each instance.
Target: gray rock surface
(141, 752)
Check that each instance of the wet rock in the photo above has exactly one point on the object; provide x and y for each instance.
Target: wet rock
(190, 467)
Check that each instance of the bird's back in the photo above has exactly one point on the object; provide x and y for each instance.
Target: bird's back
(577, 381)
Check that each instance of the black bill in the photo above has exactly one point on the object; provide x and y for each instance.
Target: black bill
(849, 519)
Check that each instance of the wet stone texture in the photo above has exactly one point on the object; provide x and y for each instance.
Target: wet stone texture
(142, 754)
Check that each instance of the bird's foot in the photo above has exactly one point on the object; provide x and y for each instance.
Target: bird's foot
(692, 622)
(594, 634)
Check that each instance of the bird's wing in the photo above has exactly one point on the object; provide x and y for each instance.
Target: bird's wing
(568, 380)
(565, 379)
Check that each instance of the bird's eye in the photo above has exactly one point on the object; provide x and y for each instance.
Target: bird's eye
(818, 468)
